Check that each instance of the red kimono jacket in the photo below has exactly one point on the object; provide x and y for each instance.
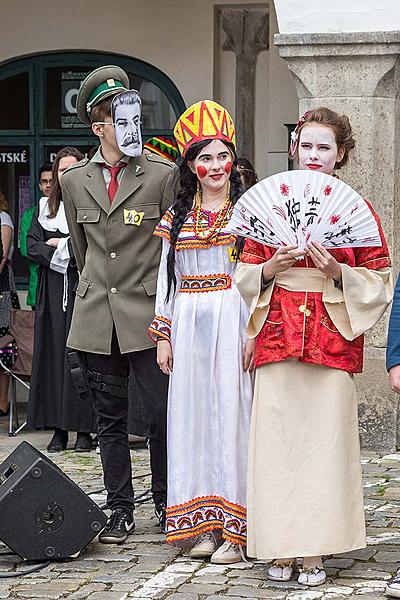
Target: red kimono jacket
(298, 325)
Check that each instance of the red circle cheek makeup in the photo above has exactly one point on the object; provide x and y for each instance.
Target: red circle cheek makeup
(201, 171)
(228, 168)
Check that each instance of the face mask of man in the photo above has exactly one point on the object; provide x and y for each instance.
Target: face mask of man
(126, 112)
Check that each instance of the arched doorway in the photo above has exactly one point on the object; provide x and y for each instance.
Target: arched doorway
(38, 117)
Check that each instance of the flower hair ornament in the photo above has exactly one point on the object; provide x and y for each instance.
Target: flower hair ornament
(294, 136)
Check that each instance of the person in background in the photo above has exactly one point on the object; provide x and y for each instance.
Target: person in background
(393, 367)
(166, 148)
(45, 182)
(247, 173)
(162, 146)
(8, 295)
(53, 401)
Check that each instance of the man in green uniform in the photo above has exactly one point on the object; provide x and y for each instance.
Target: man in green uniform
(113, 203)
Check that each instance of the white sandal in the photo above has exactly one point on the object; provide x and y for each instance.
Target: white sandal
(281, 570)
(312, 576)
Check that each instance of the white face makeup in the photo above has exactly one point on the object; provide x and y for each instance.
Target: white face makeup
(318, 149)
(126, 118)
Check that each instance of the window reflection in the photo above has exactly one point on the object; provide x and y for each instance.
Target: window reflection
(62, 86)
(14, 93)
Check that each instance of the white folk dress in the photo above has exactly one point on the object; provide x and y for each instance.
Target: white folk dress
(209, 401)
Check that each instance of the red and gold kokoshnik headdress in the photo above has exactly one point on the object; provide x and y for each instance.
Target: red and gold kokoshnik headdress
(205, 120)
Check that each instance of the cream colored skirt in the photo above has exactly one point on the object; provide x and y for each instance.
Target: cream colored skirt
(304, 494)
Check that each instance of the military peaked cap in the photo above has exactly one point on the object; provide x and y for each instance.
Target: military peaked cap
(98, 85)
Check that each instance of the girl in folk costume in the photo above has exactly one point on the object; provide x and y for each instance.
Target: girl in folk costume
(201, 343)
(304, 488)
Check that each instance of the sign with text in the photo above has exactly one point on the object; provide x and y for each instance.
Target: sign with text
(71, 81)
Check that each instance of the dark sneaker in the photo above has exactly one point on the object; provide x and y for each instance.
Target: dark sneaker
(393, 586)
(119, 525)
(160, 510)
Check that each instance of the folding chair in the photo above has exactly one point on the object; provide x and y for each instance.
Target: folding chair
(21, 331)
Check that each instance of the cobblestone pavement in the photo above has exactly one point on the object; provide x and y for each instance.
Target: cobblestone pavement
(146, 568)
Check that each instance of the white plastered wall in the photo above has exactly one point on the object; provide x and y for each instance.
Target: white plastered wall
(327, 16)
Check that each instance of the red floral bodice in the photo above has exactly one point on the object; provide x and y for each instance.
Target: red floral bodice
(298, 325)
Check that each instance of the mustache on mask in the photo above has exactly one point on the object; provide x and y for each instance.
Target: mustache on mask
(130, 140)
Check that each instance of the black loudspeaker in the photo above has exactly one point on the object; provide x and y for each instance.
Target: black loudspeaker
(44, 515)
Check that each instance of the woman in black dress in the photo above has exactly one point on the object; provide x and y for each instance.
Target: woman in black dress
(53, 402)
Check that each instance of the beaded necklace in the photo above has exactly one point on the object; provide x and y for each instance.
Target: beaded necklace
(207, 234)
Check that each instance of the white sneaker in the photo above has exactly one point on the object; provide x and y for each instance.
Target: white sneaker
(206, 546)
(227, 554)
(393, 586)
(312, 576)
(281, 570)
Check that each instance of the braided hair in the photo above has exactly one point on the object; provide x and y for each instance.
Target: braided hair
(185, 200)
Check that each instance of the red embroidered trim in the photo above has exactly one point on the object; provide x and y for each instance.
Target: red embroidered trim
(205, 283)
(204, 514)
(159, 328)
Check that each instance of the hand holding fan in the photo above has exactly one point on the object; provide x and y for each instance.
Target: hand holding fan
(294, 207)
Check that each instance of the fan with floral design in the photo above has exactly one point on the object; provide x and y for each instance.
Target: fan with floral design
(294, 207)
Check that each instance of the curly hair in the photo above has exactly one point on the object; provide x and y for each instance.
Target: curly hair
(185, 199)
(340, 126)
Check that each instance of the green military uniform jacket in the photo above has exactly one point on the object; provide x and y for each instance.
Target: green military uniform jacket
(117, 255)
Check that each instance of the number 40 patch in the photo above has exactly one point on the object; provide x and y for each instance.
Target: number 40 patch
(132, 217)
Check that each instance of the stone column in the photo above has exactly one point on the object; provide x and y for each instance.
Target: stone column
(357, 74)
(246, 35)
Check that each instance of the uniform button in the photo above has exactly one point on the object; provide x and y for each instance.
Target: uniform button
(84, 217)
(302, 308)
(113, 290)
(113, 255)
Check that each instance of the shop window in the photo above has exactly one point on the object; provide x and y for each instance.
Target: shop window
(14, 112)
(62, 86)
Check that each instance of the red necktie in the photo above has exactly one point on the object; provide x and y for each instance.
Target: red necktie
(114, 185)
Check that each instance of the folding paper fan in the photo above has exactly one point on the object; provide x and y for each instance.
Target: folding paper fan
(295, 207)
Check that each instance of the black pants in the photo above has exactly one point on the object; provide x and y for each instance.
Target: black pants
(112, 420)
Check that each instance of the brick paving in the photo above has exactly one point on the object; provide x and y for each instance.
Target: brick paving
(144, 567)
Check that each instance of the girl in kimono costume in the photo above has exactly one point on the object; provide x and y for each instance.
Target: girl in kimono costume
(308, 318)
(199, 328)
